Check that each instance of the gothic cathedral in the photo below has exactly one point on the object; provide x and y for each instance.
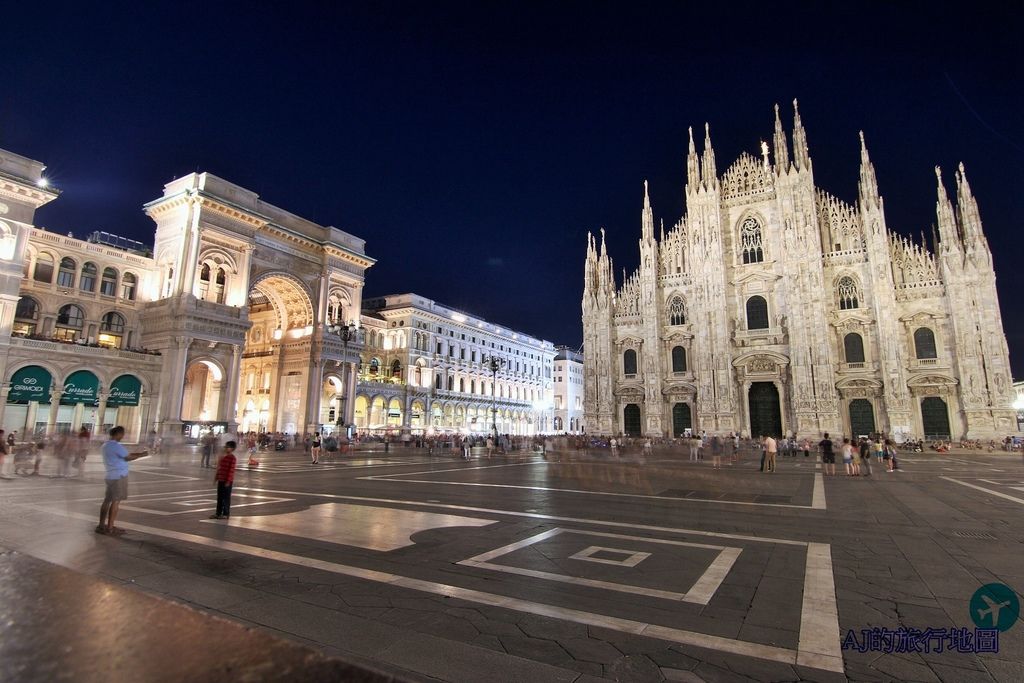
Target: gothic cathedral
(773, 307)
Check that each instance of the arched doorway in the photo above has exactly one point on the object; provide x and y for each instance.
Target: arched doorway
(765, 411)
(201, 397)
(631, 419)
(862, 418)
(361, 414)
(682, 418)
(935, 418)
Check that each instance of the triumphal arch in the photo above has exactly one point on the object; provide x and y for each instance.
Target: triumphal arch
(246, 301)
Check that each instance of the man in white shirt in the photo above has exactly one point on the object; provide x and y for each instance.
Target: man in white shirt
(770, 450)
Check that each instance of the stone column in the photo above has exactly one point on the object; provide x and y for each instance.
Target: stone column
(314, 394)
(51, 420)
(101, 413)
(350, 394)
(172, 386)
(77, 413)
(231, 383)
(145, 408)
(5, 388)
(28, 433)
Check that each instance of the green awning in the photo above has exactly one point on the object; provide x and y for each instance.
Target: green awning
(31, 383)
(125, 391)
(81, 387)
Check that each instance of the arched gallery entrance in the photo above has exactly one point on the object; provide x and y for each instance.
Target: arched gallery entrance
(765, 411)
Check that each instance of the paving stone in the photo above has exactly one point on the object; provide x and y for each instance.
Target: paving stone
(547, 651)
(636, 668)
(590, 650)
(680, 676)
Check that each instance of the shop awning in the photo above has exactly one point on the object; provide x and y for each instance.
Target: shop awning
(31, 383)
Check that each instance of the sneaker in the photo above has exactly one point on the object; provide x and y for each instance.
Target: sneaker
(216, 516)
(101, 529)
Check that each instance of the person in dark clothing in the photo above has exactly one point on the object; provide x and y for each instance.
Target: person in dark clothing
(225, 478)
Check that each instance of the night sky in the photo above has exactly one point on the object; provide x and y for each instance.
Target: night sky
(474, 145)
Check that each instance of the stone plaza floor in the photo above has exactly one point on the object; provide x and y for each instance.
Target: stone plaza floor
(569, 566)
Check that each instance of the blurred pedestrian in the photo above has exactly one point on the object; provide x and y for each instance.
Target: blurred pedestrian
(225, 479)
(115, 459)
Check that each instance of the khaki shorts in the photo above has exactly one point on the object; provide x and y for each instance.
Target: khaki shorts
(117, 489)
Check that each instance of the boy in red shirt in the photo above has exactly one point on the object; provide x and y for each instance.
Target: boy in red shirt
(225, 477)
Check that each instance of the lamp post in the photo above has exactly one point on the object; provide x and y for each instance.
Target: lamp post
(345, 332)
(494, 364)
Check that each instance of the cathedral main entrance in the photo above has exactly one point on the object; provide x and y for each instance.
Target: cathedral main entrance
(765, 412)
(631, 420)
(862, 418)
(935, 418)
(681, 419)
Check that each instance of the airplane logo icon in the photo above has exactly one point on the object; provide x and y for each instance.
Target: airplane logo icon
(993, 609)
(994, 606)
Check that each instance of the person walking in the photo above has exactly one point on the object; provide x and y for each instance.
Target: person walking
(828, 455)
(865, 455)
(314, 449)
(770, 451)
(225, 479)
(716, 452)
(694, 445)
(847, 457)
(207, 445)
(806, 448)
(115, 459)
(4, 443)
(81, 451)
(735, 439)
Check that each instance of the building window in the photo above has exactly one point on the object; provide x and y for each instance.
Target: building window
(87, 282)
(853, 346)
(25, 316)
(757, 313)
(462, 385)
(70, 320)
(204, 282)
(472, 386)
(111, 330)
(374, 367)
(451, 383)
(629, 362)
(437, 381)
(218, 286)
(676, 312)
(678, 359)
(752, 249)
(108, 283)
(396, 370)
(849, 297)
(128, 283)
(44, 269)
(438, 352)
(66, 274)
(924, 343)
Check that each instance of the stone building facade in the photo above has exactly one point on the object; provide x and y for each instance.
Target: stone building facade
(424, 370)
(568, 391)
(775, 307)
(229, 323)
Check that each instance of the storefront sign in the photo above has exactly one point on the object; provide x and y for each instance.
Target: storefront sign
(125, 391)
(80, 387)
(30, 384)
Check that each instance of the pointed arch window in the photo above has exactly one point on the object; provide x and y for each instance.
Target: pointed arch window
(849, 294)
(396, 369)
(676, 312)
(451, 383)
(853, 347)
(757, 313)
(678, 359)
(924, 343)
(629, 362)
(751, 244)
(87, 281)
(66, 274)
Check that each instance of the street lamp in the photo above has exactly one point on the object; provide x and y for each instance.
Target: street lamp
(345, 332)
(494, 364)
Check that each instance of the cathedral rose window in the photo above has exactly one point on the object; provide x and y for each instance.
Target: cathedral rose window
(751, 246)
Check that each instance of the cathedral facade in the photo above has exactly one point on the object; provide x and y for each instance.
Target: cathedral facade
(773, 307)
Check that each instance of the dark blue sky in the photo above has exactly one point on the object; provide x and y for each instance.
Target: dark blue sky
(473, 145)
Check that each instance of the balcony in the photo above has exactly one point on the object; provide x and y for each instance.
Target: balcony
(94, 350)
